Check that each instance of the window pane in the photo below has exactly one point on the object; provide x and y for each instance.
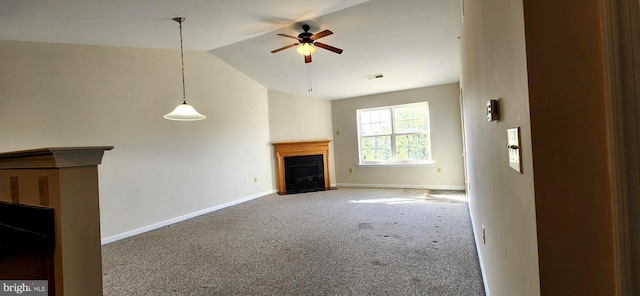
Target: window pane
(375, 128)
(365, 117)
(385, 127)
(375, 116)
(412, 147)
(376, 148)
(412, 118)
(366, 129)
(399, 136)
(375, 122)
(385, 116)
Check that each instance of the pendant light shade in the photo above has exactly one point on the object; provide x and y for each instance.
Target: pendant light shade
(184, 111)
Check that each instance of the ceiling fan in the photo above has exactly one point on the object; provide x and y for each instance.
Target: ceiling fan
(307, 42)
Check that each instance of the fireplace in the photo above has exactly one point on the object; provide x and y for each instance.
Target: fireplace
(304, 173)
(302, 166)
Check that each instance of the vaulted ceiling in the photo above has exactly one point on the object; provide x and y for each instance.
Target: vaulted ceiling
(412, 43)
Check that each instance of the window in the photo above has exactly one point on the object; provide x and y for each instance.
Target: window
(394, 134)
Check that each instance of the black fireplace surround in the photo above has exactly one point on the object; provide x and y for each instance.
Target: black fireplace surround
(304, 173)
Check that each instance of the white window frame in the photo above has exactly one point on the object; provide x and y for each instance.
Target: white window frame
(393, 161)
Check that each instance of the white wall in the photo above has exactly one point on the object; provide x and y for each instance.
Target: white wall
(295, 118)
(446, 141)
(74, 95)
(549, 230)
(501, 199)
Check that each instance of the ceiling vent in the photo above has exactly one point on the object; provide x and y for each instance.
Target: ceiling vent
(374, 76)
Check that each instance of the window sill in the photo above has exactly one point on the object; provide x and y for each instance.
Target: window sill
(422, 164)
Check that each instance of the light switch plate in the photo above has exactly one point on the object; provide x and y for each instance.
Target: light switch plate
(513, 145)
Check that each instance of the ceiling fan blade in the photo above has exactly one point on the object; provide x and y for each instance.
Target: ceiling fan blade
(328, 47)
(289, 36)
(307, 59)
(284, 47)
(324, 33)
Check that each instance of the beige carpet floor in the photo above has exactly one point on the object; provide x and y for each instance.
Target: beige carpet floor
(350, 241)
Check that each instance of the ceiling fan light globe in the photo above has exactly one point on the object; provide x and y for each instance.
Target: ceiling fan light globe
(184, 112)
(306, 49)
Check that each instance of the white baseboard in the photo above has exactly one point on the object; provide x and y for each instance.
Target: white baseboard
(475, 237)
(410, 186)
(154, 226)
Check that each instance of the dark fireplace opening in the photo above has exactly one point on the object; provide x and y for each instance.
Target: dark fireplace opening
(304, 173)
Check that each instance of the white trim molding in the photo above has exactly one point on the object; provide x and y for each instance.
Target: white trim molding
(161, 224)
(402, 186)
(478, 246)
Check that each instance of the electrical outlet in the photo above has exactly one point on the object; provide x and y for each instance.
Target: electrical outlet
(439, 170)
(337, 132)
(246, 180)
(350, 170)
(255, 179)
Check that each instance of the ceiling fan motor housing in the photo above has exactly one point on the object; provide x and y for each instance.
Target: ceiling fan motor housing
(305, 37)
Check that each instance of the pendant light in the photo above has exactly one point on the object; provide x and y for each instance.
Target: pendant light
(184, 111)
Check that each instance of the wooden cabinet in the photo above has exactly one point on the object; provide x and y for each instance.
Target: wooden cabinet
(66, 180)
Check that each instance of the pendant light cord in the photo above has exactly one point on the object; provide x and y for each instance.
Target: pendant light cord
(184, 111)
(184, 92)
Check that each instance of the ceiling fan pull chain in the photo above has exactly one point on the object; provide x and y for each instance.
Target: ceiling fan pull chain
(310, 88)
